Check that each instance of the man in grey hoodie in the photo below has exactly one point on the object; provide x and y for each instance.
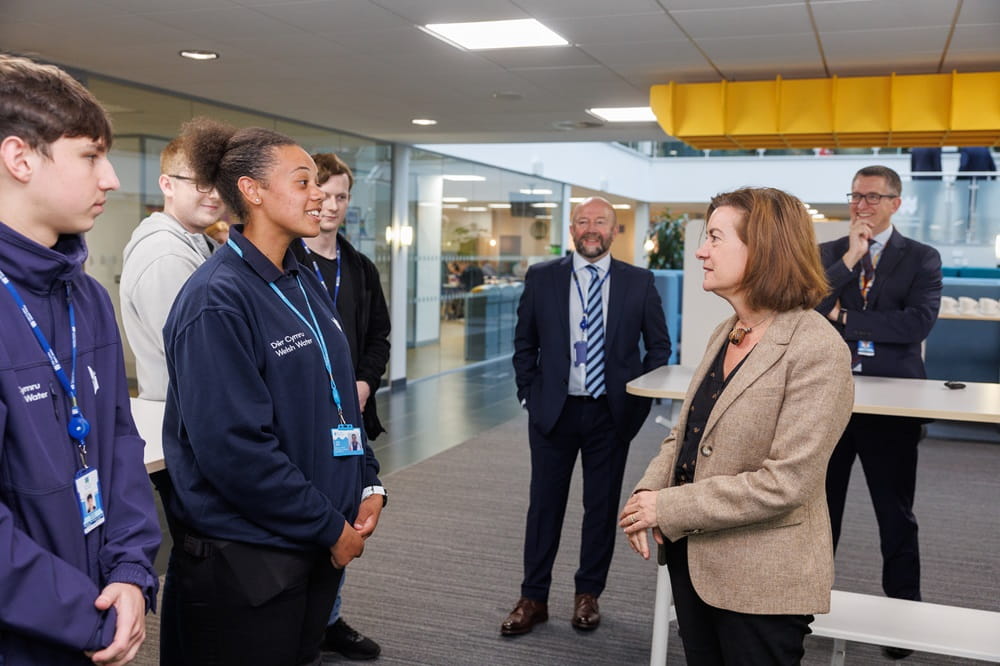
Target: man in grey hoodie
(165, 249)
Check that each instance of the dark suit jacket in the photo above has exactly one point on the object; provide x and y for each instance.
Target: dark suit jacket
(542, 341)
(902, 304)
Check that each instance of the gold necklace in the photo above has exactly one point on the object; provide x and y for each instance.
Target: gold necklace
(738, 333)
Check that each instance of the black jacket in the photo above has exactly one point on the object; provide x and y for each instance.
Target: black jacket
(363, 310)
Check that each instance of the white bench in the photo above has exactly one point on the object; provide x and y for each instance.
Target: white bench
(916, 625)
(864, 618)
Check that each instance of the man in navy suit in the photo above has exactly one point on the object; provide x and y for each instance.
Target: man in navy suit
(886, 290)
(575, 347)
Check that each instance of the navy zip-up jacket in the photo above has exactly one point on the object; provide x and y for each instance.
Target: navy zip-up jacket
(50, 572)
(247, 430)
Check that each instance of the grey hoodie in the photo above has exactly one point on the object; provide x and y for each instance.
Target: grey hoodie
(158, 260)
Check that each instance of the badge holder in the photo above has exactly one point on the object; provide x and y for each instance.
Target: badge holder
(347, 441)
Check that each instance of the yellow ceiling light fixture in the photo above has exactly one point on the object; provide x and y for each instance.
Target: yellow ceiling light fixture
(891, 111)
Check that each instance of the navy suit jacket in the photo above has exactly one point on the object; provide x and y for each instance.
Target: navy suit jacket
(902, 304)
(542, 341)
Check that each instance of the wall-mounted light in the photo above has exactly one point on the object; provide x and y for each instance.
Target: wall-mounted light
(405, 235)
(493, 242)
(648, 245)
(198, 54)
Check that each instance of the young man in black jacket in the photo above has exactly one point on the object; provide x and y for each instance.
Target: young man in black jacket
(353, 282)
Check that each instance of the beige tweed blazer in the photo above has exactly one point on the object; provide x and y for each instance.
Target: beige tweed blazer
(755, 516)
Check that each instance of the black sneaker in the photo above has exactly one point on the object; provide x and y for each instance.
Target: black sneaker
(340, 638)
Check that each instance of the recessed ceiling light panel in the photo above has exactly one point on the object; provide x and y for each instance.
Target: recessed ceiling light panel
(624, 114)
(481, 35)
(425, 122)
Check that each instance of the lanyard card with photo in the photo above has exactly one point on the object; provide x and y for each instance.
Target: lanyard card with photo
(88, 495)
(346, 440)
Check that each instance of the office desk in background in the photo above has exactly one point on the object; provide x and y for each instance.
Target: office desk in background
(890, 396)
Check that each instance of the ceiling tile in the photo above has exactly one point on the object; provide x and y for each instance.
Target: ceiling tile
(979, 11)
(682, 5)
(422, 12)
(546, 9)
(744, 22)
(335, 18)
(545, 56)
(666, 54)
(610, 29)
(764, 51)
(878, 14)
(879, 46)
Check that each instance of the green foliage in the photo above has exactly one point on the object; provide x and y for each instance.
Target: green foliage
(667, 234)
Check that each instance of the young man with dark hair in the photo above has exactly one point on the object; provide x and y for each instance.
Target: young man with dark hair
(75, 584)
(353, 283)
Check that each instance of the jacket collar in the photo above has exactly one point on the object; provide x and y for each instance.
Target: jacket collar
(37, 268)
(258, 262)
(767, 352)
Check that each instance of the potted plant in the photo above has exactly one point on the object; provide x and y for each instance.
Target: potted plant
(666, 233)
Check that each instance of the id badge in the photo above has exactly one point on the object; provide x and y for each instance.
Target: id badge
(88, 495)
(866, 348)
(346, 441)
(580, 352)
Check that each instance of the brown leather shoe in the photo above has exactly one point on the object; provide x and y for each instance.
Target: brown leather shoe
(524, 617)
(586, 614)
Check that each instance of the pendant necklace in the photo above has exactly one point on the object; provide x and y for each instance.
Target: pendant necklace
(738, 333)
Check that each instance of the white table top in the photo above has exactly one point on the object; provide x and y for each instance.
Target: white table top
(148, 415)
(890, 396)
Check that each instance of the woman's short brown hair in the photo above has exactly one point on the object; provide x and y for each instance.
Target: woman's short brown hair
(783, 270)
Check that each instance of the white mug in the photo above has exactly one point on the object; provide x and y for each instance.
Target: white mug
(989, 306)
(968, 305)
(949, 305)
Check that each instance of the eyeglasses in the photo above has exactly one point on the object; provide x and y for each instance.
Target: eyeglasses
(871, 197)
(204, 189)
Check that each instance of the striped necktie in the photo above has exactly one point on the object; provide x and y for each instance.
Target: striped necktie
(595, 336)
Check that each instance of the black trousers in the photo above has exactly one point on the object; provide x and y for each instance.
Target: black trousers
(228, 603)
(887, 447)
(585, 427)
(715, 636)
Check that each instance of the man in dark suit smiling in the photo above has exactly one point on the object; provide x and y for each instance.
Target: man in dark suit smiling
(886, 290)
(576, 344)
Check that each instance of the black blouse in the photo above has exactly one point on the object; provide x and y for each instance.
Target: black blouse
(701, 408)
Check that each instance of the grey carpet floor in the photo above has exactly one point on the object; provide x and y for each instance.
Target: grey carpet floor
(444, 567)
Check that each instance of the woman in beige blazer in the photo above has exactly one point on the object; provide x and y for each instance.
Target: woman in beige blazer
(738, 486)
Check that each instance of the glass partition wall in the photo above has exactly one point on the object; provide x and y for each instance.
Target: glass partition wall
(476, 229)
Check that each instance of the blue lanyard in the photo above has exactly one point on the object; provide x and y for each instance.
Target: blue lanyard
(583, 304)
(336, 286)
(78, 426)
(313, 328)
